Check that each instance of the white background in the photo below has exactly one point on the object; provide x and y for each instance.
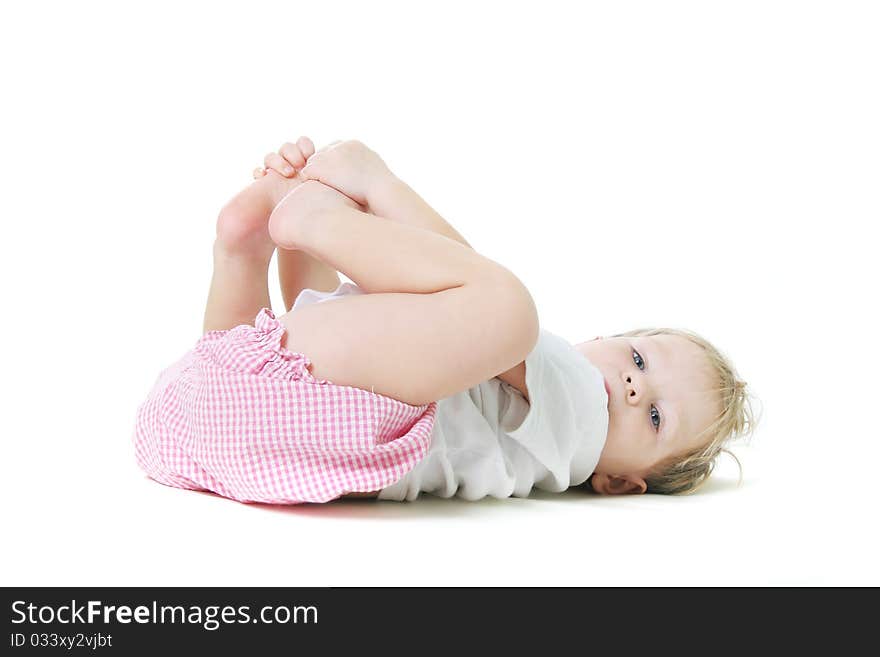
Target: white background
(705, 165)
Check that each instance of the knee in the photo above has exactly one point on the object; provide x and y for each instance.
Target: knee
(509, 301)
(524, 315)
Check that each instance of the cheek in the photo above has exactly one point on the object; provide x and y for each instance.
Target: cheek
(620, 436)
(625, 430)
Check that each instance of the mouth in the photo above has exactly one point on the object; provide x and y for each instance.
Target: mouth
(608, 390)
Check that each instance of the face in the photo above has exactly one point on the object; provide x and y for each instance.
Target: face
(660, 399)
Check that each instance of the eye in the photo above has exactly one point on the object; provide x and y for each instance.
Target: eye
(655, 414)
(657, 417)
(637, 358)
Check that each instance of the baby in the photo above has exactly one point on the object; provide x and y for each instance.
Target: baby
(430, 374)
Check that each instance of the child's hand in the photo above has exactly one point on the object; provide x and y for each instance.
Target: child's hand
(288, 159)
(349, 167)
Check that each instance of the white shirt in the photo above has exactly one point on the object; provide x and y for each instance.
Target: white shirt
(489, 441)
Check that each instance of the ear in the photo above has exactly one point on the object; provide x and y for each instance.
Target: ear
(618, 485)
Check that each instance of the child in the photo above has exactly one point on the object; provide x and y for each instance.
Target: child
(429, 375)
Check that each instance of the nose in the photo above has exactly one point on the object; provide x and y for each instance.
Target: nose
(632, 391)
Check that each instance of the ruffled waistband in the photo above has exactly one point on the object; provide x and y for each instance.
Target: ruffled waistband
(256, 350)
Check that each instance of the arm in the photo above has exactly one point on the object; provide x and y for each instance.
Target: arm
(377, 254)
(395, 200)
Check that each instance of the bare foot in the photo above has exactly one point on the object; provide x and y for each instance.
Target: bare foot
(301, 204)
(243, 223)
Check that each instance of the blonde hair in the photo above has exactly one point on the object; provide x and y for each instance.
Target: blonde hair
(685, 473)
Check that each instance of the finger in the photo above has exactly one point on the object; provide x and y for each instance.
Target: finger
(306, 146)
(259, 172)
(277, 163)
(293, 155)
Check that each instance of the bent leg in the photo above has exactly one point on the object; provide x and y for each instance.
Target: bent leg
(239, 288)
(243, 251)
(416, 348)
(437, 318)
(298, 270)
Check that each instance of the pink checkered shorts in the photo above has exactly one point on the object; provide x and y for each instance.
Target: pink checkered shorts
(242, 416)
